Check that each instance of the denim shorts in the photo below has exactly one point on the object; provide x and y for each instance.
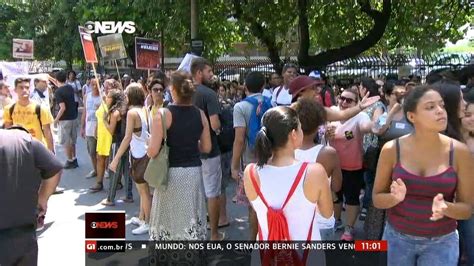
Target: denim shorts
(411, 250)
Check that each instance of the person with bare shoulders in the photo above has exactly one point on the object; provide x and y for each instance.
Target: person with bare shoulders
(312, 116)
(277, 171)
(424, 195)
(466, 227)
(136, 138)
(179, 212)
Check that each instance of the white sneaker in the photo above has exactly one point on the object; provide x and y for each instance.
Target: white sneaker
(142, 229)
(136, 221)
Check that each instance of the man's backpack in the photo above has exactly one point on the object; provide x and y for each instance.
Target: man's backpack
(37, 112)
(278, 226)
(260, 105)
(227, 134)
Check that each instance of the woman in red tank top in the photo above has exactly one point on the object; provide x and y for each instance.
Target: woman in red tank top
(424, 181)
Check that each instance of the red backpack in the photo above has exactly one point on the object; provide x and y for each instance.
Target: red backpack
(278, 227)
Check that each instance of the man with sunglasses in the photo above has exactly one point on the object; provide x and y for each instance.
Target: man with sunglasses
(306, 87)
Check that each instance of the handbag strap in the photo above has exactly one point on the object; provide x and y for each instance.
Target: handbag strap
(163, 123)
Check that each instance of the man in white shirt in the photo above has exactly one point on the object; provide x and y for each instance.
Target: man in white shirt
(39, 95)
(281, 95)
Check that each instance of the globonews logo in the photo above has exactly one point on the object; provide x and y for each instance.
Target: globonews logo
(109, 27)
(105, 224)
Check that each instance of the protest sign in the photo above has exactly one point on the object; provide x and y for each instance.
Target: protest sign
(147, 53)
(112, 47)
(23, 49)
(87, 46)
(186, 63)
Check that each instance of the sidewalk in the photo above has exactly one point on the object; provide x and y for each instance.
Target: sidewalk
(64, 233)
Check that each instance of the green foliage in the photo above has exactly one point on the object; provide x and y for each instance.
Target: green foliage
(421, 25)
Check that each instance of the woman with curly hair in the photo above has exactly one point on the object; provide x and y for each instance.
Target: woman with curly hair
(108, 115)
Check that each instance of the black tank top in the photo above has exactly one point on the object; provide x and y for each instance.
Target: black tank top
(183, 136)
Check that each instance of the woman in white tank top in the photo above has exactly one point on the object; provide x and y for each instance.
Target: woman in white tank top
(276, 173)
(312, 116)
(137, 137)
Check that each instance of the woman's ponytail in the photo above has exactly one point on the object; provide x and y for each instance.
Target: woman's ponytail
(263, 147)
(277, 123)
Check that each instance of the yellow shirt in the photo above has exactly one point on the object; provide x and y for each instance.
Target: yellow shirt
(104, 138)
(25, 116)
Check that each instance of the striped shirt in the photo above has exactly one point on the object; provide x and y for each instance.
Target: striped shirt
(412, 215)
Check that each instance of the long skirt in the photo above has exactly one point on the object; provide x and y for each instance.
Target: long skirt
(179, 212)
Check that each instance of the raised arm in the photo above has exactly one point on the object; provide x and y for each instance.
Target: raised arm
(339, 115)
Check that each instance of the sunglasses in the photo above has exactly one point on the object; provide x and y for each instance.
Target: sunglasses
(347, 100)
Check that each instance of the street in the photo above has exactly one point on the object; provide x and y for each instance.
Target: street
(63, 237)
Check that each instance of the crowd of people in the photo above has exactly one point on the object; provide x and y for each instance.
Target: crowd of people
(394, 154)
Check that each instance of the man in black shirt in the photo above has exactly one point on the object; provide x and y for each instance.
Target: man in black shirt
(28, 176)
(67, 119)
(207, 100)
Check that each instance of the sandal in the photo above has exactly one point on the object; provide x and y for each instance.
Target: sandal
(127, 200)
(98, 187)
(106, 202)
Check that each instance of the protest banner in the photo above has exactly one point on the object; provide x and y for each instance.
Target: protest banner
(112, 47)
(186, 63)
(23, 49)
(89, 52)
(147, 54)
(12, 70)
(87, 46)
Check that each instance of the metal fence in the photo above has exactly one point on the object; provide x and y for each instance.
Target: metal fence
(391, 67)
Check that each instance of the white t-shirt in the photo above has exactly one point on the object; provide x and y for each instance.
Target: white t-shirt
(267, 93)
(348, 141)
(41, 101)
(76, 84)
(92, 104)
(310, 156)
(284, 96)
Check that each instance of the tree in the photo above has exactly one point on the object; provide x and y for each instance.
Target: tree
(320, 32)
(329, 31)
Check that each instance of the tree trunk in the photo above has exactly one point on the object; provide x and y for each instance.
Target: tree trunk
(353, 49)
(258, 31)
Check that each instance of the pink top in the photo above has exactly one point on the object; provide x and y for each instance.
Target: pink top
(348, 142)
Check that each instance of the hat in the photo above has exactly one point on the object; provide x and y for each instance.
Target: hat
(315, 74)
(302, 82)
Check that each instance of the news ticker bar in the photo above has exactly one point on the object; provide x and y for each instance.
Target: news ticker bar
(122, 246)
